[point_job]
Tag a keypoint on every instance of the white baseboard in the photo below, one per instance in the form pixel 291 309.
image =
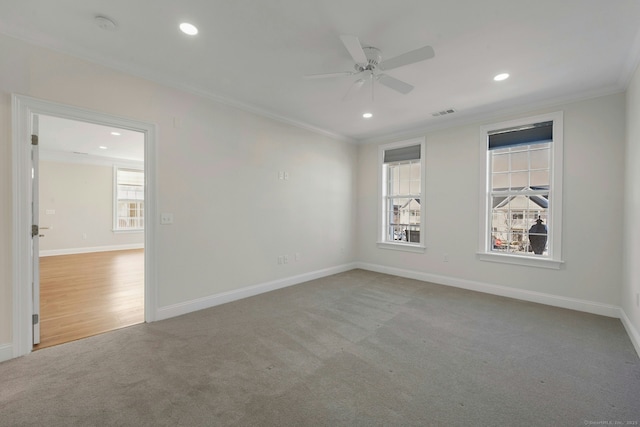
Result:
pixel 521 294
pixel 633 333
pixel 249 291
pixel 74 251
pixel 6 352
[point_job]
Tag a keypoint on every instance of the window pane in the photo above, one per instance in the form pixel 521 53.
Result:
pixel 540 159
pixel 415 178
pixel 514 222
pixel 394 184
pixel 520 161
pixel 519 180
pixel 540 178
pixel 415 171
pixel 405 172
pixel 415 187
pixel 500 181
pixel 500 162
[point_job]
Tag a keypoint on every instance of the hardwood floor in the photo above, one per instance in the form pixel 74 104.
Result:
pixel 88 294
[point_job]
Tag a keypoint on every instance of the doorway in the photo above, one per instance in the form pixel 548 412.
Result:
pixel 90 209
pixel 25 291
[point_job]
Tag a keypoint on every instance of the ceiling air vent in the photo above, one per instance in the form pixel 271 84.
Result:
pixel 443 112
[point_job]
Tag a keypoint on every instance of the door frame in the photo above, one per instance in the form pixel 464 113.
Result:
pixel 23 109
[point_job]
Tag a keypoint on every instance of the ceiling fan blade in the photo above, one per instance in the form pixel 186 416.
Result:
pixel 327 75
pixel 395 84
pixel 355 48
pixel 354 88
pixel 408 58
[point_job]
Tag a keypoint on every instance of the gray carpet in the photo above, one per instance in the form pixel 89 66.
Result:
pixel 354 349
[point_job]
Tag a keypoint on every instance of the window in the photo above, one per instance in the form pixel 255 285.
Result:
pixel 129 199
pixel 521 191
pixel 402 195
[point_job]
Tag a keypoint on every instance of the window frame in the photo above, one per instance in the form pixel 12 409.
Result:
pixel 116 228
pixel 554 258
pixel 382 188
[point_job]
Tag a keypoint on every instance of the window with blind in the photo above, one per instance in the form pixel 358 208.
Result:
pixel 522 190
pixel 129 199
pixel 402 187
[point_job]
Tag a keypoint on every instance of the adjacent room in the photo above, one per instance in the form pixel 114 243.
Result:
pixel 319 213
pixel 91 229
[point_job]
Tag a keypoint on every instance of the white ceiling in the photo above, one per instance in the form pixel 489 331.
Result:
pixel 253 53
pixel 75 140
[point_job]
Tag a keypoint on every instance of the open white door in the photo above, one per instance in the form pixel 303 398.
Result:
pixel 35 229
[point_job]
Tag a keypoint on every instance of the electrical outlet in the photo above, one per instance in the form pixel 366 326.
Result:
pixel 166 218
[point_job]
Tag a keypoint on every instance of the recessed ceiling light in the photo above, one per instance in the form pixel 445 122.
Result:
pixel 189 29
pixel 102 147
pixel 501 77
pixel 116 133
pixel 367 115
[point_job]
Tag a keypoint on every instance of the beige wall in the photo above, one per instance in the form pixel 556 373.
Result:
pixel 631 241
pixel 82 197
pixel 217 173
pixel 593 199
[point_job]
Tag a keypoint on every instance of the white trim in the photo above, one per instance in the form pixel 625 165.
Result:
pixel 633 333
pixel 87 250
pixel 23 108
pixel 6 352
pixel 505 291
pixel 554 260
pixel 249 291
pixel 406 247
pixel 530 261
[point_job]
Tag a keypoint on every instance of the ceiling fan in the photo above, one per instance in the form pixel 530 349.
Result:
pixel 369 63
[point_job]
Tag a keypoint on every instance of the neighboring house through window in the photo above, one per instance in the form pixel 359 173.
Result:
pixel 521 191
pixel 129 199
pixel 402 195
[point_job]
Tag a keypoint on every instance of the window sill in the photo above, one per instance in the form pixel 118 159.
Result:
pixel 406 247
pixel 137 230
pixel 521 260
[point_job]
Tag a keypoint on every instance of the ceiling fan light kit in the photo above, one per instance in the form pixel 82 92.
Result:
pixel 369 59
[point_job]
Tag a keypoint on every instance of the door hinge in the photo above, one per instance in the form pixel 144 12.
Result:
pixel 34 139
pixel 34 230
pixel 36 319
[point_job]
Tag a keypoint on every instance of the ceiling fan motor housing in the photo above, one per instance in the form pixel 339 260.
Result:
pixel 374 57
